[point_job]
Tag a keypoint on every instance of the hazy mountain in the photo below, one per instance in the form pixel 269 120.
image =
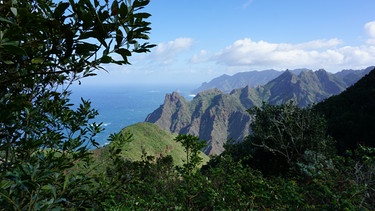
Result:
pixel 216 116
pixel 306 88
pixel 352 76
pixel 227 83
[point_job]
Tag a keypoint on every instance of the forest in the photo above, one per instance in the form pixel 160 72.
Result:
pixel 319 157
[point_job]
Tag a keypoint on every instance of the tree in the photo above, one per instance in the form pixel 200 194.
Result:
pixel 283 135
pixel 192 146
pixel 44 48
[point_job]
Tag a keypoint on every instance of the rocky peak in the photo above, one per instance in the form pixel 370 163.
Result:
pixel 216 116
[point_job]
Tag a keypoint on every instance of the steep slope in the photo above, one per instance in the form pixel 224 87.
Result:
pixel 216 116
pixel 351 114
pixel 227 83
pixel 154 141
pixel 305 89
pixel 175 107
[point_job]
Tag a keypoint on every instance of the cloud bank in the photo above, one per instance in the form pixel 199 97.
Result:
pixel 181 61
pixel 330 54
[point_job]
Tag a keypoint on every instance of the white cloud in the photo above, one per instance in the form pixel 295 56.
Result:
pixel 200 57
pixel 313 54
pixel 370 29
pixel 318 44
pixel 167 51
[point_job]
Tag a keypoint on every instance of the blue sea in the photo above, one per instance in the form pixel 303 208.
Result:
pixel 123 105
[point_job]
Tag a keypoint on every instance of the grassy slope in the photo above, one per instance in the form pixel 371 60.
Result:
pixel 155 141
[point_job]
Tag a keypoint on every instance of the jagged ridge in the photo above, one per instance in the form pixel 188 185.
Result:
pixel 216 116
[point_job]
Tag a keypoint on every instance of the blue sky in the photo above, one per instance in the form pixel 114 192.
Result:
pixel 199 40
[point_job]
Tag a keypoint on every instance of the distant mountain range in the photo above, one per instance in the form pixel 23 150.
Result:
pixel 227 83
pixel 216 116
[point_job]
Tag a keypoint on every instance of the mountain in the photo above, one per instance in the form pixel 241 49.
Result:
pixel 350 77
pixel 227 83
pixel 212 115
pixel 351 114
pixel 216 116
pixel 305 89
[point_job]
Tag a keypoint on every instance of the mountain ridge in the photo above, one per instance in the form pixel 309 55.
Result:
pixel 216 116
pixel 227 83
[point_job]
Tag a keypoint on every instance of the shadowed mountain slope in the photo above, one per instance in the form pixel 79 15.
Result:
pixel 351 114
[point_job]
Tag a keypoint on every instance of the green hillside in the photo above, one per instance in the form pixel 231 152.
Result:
pixel 351 114
pixel 154 141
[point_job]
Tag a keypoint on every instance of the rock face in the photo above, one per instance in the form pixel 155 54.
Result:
pixel 216 116
pixel 212 115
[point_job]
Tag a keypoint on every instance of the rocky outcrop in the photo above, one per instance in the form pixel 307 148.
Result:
pixel 216 116
pixel 212 115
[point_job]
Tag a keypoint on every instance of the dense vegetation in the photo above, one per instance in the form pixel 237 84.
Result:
pixel 289 162
pixel 351 115
pixel 44 139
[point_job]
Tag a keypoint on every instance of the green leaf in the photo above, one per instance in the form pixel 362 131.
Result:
pixel 5 20
pixel 38 60
pixel 66 181
pixel 119 37
pixel 15 50
pixel 140 3
pixel 8 62
pixel 124 53
pixel 86 35
pixel 142 15
pixel 14 11
pixel 60 9
pixel 51 188
pixel 114 8
pixel 123 10
pixel 85 48
pixel 106 59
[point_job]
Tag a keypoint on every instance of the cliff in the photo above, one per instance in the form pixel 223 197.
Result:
pixel 216 116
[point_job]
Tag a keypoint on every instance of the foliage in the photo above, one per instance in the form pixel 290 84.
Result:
pixel 192 146
pixel 286 164
pixel 283 134
pixel 44 139
pixel 156 142
pixel 317 180
pixel 351 115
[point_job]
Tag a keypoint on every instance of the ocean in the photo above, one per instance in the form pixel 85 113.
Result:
pixel 123 105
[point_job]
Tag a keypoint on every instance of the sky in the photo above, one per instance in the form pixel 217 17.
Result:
pixel 198 40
